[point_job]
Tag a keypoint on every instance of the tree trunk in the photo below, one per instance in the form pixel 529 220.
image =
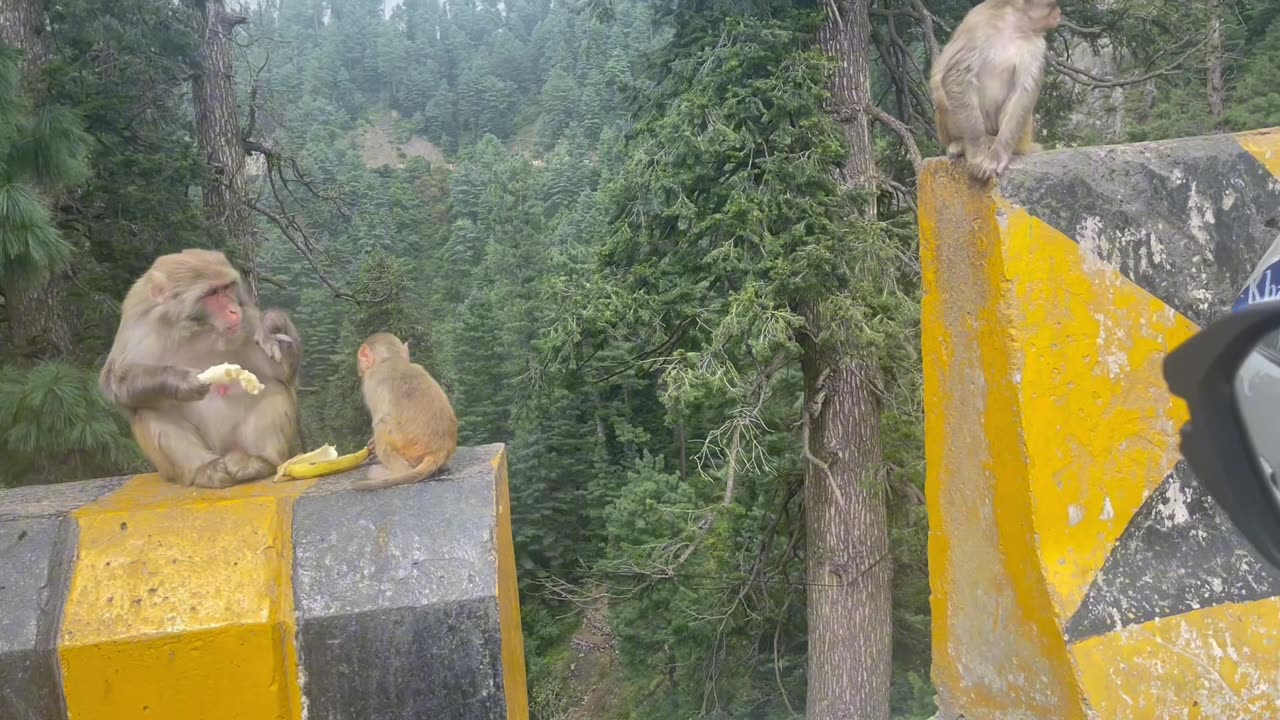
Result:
pixel 847 539
pixel 847 542
pixel 217 117
pixel 847 38
pixel 35 310
pixel 1217 85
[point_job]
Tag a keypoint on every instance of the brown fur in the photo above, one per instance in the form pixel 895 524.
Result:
pixel 191 435
pixel 986 83
pixel 415 432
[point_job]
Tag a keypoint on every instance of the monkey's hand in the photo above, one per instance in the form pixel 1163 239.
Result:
pixel 190 388
pixel 142 386
pixel 272 343
pixel 994 162
pixel 278 338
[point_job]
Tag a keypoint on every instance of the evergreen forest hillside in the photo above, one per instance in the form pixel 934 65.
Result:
pixel 639 241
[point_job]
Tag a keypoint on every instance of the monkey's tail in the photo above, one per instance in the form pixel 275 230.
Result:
pixel 431 463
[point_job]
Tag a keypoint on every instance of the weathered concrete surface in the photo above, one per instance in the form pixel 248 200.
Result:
pixel 37 545
pixel 134 598
pixel 397 597
pixel 1198 564
pixel 180 604
pixel 1185 220
pixel 1078 570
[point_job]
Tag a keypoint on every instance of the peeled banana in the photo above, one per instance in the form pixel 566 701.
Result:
pixel 322 461
pixel 229 373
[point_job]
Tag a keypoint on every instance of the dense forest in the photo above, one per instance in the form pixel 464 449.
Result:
pixel 664 250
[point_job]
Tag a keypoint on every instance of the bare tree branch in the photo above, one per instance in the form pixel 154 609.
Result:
pixel 902 191
pixel 1084 77
pixel 902 131
pixel 230 22
pixel 898 127
pixel 926 21
pixel 255 85
pixel 918 12
pixel 289 228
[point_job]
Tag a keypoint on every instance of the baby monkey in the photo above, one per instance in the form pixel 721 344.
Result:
pixel 415 432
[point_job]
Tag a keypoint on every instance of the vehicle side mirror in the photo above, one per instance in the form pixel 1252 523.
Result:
pixel 1229 375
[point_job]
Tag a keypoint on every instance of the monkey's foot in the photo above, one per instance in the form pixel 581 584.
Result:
pixel 989 166
pixel 955 150
pixel 232 469
pixel 213 474
pixel 247 467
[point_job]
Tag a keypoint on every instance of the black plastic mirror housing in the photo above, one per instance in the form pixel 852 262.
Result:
pixel 1215 442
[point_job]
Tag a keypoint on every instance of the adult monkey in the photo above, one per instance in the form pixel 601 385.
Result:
pixel 186 313
pixel 986 82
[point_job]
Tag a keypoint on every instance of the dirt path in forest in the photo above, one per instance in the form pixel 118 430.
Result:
pixel 592 673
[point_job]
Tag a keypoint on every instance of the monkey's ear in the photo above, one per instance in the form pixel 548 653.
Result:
pixel 406 349
pixel 364 358
pixel 159 286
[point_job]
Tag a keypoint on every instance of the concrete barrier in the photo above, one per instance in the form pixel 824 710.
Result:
pixel 132 598
pixel 1077 568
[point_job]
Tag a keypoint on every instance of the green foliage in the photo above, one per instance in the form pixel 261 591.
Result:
pixel 1257 97
pixel 336 413
pixel 137 201
pixel 725 218
pixel 42 148
pixel 558 102
pixel 55 424
pixel 606 272
pixel 546 647
pixel 913 698
pixel 1179 113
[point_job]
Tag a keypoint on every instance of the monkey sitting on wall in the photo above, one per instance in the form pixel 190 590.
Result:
pixel 415 432
pixel 188 312
pixel 986 82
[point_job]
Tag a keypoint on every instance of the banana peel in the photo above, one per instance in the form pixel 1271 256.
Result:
pixel 319 462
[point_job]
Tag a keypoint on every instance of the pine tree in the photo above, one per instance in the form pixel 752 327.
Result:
pixel 558 103
pixel 1257 99
pixel 41 145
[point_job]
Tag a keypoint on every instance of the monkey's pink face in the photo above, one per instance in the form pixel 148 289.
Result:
pixel 222 308
pixel 1045 14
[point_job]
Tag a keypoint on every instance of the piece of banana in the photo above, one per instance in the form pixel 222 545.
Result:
pixel 322 461
pixel 229 374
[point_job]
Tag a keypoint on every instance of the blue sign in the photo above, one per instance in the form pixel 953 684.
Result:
pixel 1265 289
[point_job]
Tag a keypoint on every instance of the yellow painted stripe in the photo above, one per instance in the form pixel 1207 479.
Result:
pixel 1048 423
pixel 1098 420
pixel 1219 662
pixel 514 683
pixel 181 605
pixel 1263 145
pixel 997 648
